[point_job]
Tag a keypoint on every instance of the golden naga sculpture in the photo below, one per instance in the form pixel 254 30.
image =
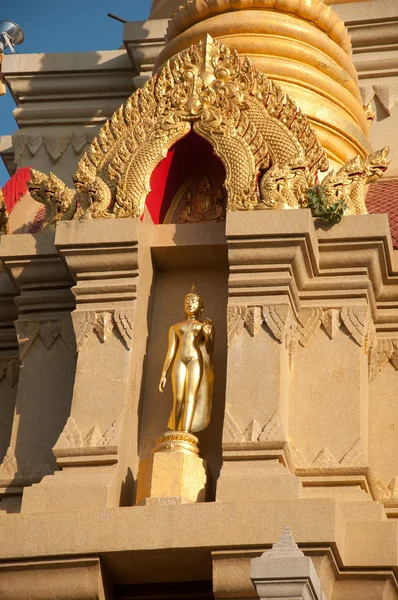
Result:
pixel 284 186
pixel 247 119
pixel 348 184
pixel 93 195
pixel 3 215
pixel 54 194
pixel 190 350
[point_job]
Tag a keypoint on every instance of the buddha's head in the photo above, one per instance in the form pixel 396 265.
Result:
pixel 193 303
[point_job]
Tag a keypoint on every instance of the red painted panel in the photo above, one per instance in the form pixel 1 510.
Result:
pixel 181 160
pixel 16 187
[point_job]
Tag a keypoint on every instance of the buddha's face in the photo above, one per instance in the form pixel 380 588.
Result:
pixel 191 305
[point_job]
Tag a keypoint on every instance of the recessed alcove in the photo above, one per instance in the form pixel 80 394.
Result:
pixel 187 185
pixel 181 254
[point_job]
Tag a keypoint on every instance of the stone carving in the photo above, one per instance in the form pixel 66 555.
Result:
pixel 34 143
pixel 9 370
pixel 71 438
pixel 348 184
pixel 235 321
pixel 9 467
pixel 379 490
pixel 310 320
pixel 387 93
pixel 367 94
pixel 85 322
pixel 331 321
pixel 299 459
pixel 272 431
pixel 231 432
pixel 3 215
pixel 278 319
pixel 104 325
pixel 27 332
pixel 355 319
pixel 124 323
pixel 55 147
pixel 57 198
pixel 393 489
pixel 252 432
pixel 382 351
pixel 324 460
pixel 354 456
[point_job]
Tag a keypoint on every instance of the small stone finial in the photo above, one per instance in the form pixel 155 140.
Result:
pixel 285 568
pixel 285 547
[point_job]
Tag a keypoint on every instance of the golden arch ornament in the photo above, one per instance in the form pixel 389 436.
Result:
pixel 246 117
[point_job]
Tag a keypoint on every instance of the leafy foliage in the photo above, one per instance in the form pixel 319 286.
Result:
pixel 320 208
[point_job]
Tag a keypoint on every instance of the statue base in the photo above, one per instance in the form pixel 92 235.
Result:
pixel 174 472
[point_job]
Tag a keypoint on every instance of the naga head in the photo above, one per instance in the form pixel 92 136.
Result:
pixel 377 164
pixel 370 168
pixel 83 177
pixel 55 191
pixel 36 185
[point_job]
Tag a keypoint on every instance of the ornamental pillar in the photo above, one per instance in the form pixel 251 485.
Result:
pixel 102 256
pixel 267 269
pixel 46 354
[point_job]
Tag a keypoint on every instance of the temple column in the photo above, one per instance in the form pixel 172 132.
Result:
pixel 102 256
pixel 268 267
pixel 46 354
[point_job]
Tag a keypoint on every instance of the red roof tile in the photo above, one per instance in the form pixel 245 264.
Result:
pixel 383 198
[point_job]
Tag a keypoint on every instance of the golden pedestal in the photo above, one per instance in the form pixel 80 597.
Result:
pixel 174 473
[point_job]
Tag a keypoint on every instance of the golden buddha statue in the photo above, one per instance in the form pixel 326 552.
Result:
pixel 190 350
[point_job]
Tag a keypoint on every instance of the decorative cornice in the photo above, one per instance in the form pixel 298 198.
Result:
pixel 103 324
pixel 54 146
pixel 67 89
pixel 386 93
pixel 97 447
pixel 48 331
pixel 271 432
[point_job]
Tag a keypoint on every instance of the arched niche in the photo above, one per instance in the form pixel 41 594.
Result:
pixel 187 186
pixel 208 88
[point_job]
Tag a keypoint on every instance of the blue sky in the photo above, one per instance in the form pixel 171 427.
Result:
pixel 64 26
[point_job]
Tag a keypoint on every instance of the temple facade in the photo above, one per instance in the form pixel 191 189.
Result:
pixel 236 162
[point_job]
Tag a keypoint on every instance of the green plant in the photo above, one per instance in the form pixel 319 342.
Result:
pixel 321 208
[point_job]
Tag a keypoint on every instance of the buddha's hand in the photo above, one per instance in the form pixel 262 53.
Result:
pixel 207 326
pixel 162 383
